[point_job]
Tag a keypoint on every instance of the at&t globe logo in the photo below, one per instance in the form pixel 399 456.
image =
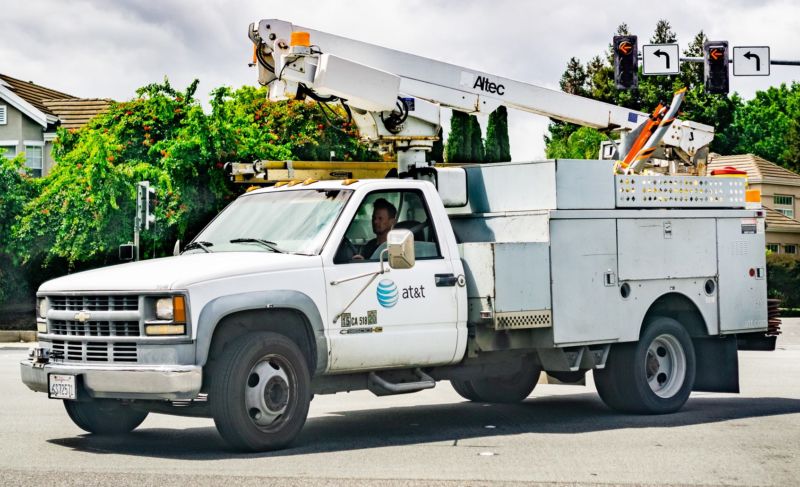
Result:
pixel 387 293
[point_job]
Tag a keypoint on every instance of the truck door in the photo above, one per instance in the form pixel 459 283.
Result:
pixel 403 317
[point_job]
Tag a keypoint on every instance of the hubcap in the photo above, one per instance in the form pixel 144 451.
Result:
pixel 665 366
pixel 267 392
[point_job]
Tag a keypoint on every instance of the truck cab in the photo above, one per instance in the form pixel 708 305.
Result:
pixel 287 259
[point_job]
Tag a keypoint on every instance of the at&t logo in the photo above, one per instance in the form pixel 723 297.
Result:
pixel 387 293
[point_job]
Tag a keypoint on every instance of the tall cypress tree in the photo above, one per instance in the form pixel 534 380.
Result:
pixel 475 139
pixel 497 148
pixel 457 148
pixel 437 151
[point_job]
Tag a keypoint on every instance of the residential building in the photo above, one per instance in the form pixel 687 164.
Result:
pixel 780 190
pixel 30 115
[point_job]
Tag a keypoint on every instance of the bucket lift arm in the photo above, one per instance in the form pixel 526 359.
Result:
pixel 395 97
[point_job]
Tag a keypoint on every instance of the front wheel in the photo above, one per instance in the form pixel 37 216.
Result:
pixel 104 416
pixel 652 376
pixel 510 388
pixel 260 392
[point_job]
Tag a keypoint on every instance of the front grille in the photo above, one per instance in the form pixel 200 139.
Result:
pixel 94 303
pixel 95 328
pixel 108 352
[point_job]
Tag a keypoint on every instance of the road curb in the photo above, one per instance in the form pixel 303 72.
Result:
pixel 11 336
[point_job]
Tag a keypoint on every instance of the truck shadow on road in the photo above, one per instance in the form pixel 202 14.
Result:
pixel 444 423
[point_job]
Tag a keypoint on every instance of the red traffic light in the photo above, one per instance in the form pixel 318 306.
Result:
pixel 625 48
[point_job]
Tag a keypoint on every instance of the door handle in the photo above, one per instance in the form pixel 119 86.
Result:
pixel 445 280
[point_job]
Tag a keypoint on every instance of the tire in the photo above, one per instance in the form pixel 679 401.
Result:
pixel 104 416
pixel 464 389
pixel 260 392
pixel 514 387
pixel 652 376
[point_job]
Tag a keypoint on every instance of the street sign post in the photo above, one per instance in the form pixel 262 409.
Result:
pixel 661 59
pixel 751 60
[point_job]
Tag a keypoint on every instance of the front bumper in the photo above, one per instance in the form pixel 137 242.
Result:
pixel 167 382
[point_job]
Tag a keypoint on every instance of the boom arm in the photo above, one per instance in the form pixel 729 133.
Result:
pixel 370 78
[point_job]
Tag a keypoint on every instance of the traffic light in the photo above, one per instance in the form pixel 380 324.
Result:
pixel 626 62
pixel 145 205
pixel 715 72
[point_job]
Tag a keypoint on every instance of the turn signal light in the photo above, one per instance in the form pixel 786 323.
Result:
pixel 302 39
pixel 752 196
pixel 179 309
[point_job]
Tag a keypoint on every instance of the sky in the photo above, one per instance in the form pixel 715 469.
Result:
pixel 107 49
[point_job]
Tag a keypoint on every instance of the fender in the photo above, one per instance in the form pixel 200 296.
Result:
pixel 215 310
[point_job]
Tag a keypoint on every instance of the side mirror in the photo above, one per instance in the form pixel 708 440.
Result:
pixel 176 250
pixel 400 244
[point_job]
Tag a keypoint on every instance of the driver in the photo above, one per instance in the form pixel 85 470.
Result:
pixel 384 217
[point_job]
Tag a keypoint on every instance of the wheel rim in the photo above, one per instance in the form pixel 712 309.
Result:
pixel 665 366
pixel 268 391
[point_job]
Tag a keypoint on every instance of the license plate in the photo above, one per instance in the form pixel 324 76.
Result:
pixel 61 387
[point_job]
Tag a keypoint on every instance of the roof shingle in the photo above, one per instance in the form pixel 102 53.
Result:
pixel 33 93
pixel 758 170
pixel 76 112
pixel 778 222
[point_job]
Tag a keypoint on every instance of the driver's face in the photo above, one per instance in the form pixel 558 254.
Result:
pixel 381 221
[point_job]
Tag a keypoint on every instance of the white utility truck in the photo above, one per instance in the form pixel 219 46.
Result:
pixel 484 275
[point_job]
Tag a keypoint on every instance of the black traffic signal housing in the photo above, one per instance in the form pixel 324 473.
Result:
pixel 715 62
pixel 626 62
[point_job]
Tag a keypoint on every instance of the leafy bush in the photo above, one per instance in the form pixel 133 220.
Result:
pixel 783 279
pixel 16 187
pixel 77 216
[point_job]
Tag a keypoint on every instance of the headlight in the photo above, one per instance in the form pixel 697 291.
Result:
pixel 41 308
pixel 169 309
pixel 165 310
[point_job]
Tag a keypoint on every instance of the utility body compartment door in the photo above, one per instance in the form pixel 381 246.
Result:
pixel 664 248
pixel 583 266
pixel 742 275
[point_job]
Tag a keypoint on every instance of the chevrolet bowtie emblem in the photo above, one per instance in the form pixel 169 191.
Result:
pixel 82 316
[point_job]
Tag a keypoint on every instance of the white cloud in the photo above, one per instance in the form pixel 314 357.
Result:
pixel 108 49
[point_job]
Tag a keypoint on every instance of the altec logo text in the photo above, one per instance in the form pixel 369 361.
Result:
pixel 484 84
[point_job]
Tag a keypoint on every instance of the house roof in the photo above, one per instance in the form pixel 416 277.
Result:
pixel 33 93
pixel 76 112
pixel 48 106
pixel 778 222
pixel 758 170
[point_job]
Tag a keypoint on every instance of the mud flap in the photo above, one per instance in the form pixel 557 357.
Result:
pixel 717 364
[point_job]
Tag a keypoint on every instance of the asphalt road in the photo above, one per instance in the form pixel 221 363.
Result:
pixel 561 434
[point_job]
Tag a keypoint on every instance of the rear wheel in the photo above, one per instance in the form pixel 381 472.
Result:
pixel 104 416
pixel 654 375
pixel 260 392
pixel 514 387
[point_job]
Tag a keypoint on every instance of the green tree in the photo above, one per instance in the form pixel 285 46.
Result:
pixel 475 140
pixel 16 188
pixel 86 205
pixel 596 80
pixel 769 126
pixel 497 147
pixel 437 151
pixel 457 149
pixel 583 143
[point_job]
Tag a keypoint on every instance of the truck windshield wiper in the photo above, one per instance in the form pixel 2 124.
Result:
pixel 266 243
pixel 199 245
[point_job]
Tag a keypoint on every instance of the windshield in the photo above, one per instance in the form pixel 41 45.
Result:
pixel 296 221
